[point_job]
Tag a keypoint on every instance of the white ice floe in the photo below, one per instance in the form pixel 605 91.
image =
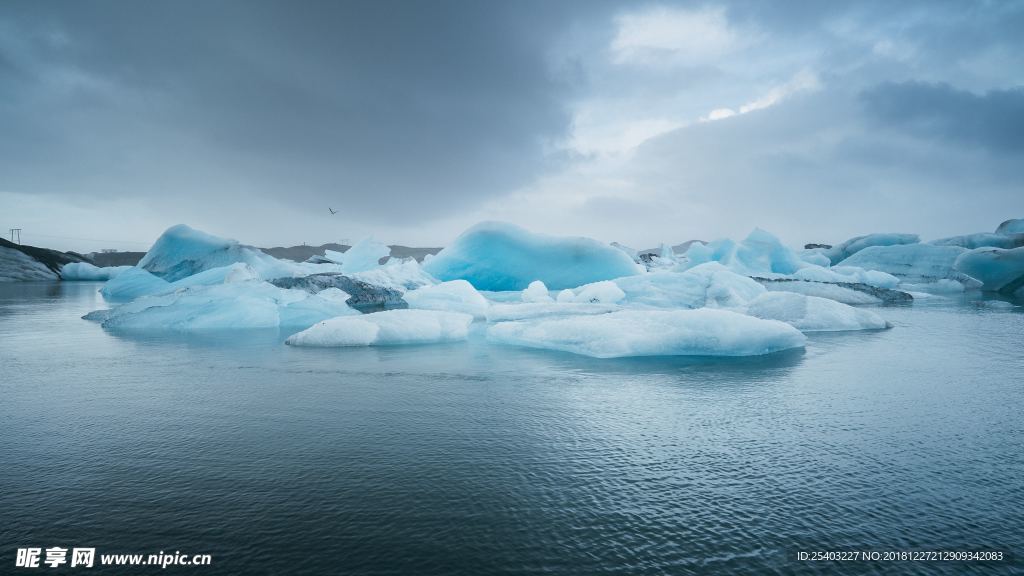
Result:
pixel 84 271
pixel 537 292
pixel 452 296
pixel 999 270
pixel 710 284
pixel 392 327
pixel 813 314
pixel 702 332
pixel 499 256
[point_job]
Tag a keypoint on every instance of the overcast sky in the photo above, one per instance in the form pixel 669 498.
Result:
pixel 636 122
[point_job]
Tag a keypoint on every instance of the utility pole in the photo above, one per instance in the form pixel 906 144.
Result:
pixel 18 232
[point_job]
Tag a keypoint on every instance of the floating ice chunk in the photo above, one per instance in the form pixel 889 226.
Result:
pixel 999 270
pixel 453 296
pixel 849 294
pixel 843 251
pixel 604 292
pixel 85 271
pixel 813 314
pixel 943 286
pixel 1015 226
pixel 499 256
pixel 228 306
pixel 914 263
pixel 846 274
pixel 392 327
pixel 182 251
pixel 566 295
pixel 362 256
pixel 710 284
pixel 16 266
pixel 759 253
pixel 530 310
pixel 815 256
pixel 982 240
pixel 397 274
pixel 133 283
pixel 702 332
pixel 537 292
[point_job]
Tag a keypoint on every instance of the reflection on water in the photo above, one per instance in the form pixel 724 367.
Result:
pixel 477 459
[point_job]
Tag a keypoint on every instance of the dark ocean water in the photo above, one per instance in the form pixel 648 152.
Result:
pixel 474 459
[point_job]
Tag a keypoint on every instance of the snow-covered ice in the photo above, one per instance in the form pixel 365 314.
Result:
pixel 392 327
pixel 702 332
pixel 500 256
pixel 813 314
pixel 453 296
pixel 84 271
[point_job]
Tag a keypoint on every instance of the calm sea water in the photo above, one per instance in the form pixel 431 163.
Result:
pixel 473 459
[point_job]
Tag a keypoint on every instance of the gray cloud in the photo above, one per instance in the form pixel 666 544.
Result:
pixel 994 119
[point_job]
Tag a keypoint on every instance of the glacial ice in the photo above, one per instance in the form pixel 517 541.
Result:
pixel 182 251
pixel 913 263
pixel 392 327
pixel 531 310
pixel 452 296
pixel 133 283
pixel 703 332
pixel 759 253
pixel 399 274
pixel 707 285
pixel 84 271
pixel 1013 226
pixel 603 292
pixel 537 292
pixel 813 314
pixel 362 256
pixel 982 240
pixel 999 270
pixel 500 256
pixel 841 252
pixel 227 306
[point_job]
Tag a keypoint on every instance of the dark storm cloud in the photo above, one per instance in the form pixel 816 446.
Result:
pixel 994 119
pixel 389 109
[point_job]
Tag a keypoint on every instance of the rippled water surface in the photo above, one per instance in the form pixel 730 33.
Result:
pixel 474 459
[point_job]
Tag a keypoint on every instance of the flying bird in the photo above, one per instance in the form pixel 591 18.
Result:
pixel 333 211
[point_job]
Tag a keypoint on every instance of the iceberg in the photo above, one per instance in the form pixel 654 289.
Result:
pixel 706 285
pixel 84 271
pixel 845 292
pixel 530 310
pixel 813 314
pixel 182 251
pixel 1013 226
pixel 499 256
pixel 452 296
pixel 229 306
pixel 392 327
pixel 603 292
pixel 854 245
pixel 982 240
pixel 133 283
pixel 759 253
pixel 537 292
pixel 362 256
pixel 998 270
pixel 913 263
pixel 703 332
pixel 399 274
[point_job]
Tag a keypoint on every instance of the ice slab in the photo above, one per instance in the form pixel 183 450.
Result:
pixel 813 314
pixel 759 253
pixel 841 252
pixel 999 270
pixel 537 292
pixel 392 327
pixel 228 306
pixel 982 240
pixel 530 310
pixel 133 283
pixel 182 251
pixel 703 332
pixel 914 263
pixel 499 256
pixel 452 296
pixel 710 284
pixel 84 271
pixel 362 256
